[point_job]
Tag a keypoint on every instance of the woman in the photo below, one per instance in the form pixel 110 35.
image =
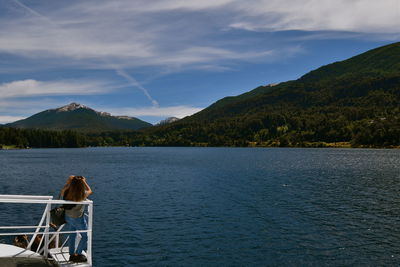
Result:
pixel 76 189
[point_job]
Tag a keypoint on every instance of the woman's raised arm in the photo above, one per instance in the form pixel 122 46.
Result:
pixel 87 187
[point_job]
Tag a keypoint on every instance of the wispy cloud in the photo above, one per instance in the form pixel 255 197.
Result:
pixel 144 6
pixel 172 111
pixel 34 88
pixel 20 108
pixel 364 16
pixel 172 33
pixel 8 119
pixel 129 34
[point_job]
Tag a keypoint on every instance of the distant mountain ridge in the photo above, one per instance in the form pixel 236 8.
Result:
pixel 79 117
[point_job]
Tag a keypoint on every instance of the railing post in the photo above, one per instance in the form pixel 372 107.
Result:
pixel 41 220
pixel 90 228
pixel 57 239
pixel 46 236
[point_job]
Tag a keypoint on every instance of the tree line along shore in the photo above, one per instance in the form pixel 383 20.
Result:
pixel 13 138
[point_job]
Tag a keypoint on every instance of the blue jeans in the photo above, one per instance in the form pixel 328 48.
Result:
pixel 77 224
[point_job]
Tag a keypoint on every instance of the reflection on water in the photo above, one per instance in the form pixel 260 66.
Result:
pixel 223 206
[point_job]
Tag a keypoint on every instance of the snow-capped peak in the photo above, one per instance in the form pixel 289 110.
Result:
pixel 71 107
pixel 74 106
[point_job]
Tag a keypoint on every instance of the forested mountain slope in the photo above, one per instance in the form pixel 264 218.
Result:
pixel 356 101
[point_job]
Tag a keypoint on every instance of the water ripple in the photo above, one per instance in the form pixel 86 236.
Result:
pixel 223 206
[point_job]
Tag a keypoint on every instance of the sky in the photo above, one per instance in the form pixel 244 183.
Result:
pixel 162 58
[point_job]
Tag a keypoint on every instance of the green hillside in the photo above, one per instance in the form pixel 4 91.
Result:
pixel 80 118
pixel 382 60
pixel 355 101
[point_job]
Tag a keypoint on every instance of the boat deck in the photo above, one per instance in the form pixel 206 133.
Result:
pixel 10 251
pixel 15 256
pixel 61 256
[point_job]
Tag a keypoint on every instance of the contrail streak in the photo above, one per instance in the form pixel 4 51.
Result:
pixel 118 70
pixel 136 84
pixel 33 12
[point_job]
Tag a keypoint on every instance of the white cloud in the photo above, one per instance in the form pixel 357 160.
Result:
pixel 366 16
pixel 8 119
pixel 126 33
pixel 34 88
pixel 97 34
pixel 172 111
pixel 28 106
pixel 140 6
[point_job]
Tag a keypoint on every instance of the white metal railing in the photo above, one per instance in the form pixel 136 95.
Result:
pixel 45 222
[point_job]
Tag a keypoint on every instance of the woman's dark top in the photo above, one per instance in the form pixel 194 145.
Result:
pixel 73 210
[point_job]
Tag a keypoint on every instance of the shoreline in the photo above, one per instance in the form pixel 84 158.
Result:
pixel 307 145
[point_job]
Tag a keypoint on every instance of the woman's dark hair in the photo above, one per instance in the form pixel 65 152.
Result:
pixel 76 190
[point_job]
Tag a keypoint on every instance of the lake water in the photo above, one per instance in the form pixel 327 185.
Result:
pixel 223 206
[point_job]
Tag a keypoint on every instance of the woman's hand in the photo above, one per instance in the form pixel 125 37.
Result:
pixel 87 187
pixel 70 178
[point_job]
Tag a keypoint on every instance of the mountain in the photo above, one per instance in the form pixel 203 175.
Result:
pixel 356 101
pixel 79 117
